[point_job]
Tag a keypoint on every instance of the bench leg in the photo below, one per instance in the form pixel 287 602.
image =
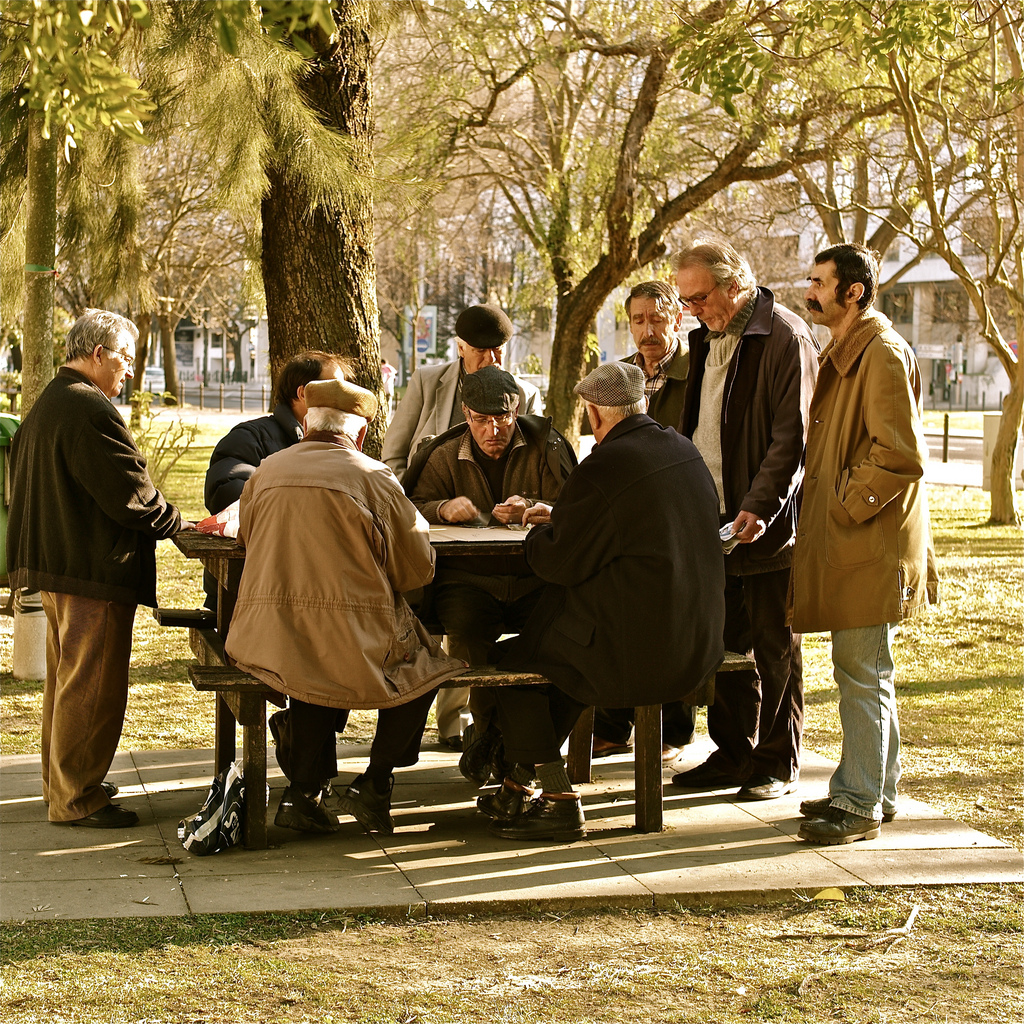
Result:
pixel 224 735
pixel 581 747
pixel 254 767
pixel 647 768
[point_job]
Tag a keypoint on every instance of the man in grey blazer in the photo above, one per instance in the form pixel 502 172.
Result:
pixel 433 404
pixel 433 401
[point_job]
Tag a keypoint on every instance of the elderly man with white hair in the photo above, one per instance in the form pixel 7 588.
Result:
pixel 332 542
pixel 635 527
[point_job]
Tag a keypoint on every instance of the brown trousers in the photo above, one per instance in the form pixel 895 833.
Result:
pixel 88 648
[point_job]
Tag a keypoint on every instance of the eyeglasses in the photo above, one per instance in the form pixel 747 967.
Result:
pixel 694 300
pixel 493 421
pixel 128 360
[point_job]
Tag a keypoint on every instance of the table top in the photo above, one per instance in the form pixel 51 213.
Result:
pixel 445 540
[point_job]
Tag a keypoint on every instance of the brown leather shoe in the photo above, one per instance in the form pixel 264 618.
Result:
pixel 605 748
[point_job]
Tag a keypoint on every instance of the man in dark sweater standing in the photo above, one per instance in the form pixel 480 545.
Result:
pixel 84 521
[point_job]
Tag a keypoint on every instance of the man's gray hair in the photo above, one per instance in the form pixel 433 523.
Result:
pixel 335 421
pixel 664 295
pixel 621 412
pixel 96 327
pixel 720 260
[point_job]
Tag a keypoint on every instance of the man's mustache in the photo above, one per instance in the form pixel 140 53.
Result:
pixel 812 304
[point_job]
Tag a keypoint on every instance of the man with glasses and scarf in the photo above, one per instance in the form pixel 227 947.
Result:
pixel 84 522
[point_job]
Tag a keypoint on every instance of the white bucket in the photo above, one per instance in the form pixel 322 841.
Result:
pixel 29 636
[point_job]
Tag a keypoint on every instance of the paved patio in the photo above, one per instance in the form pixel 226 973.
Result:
pixel 443 861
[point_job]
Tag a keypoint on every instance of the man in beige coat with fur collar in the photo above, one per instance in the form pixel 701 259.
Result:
pixel 332 542
pixel 863 558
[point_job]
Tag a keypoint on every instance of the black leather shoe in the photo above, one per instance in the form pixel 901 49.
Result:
pixel 839 829
pixel 822 808
pixel 372 809
pixel 109 788
pixel 706 776
pixel 507 802
pixel 550 816
pixel 766 787
pixel 111 816
pixel 450 742
pixel 304 814
pixel 477 754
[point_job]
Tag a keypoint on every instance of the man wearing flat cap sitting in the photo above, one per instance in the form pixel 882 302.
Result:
pixel 431 406
pixel 489 469
pixel 635 527
pixel 331 543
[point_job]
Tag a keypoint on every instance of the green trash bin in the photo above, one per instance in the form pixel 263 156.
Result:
pixel 8 425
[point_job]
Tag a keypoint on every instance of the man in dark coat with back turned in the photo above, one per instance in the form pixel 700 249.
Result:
pixel 636 526
pixel 84 523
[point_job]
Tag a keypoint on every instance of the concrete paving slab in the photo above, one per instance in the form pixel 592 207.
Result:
pixel 443 859
pixel 878 866
pixel 78 899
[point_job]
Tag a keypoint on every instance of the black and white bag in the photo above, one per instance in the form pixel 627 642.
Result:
pixel 219 824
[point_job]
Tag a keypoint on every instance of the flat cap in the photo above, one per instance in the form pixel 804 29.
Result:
pixel 612 384
pixel 491 391
pixel 343 395
pixel 483 327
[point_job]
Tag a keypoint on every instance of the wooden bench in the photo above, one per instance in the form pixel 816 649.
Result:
pixel 243 699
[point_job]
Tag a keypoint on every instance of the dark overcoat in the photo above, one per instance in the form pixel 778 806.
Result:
pixel 636 609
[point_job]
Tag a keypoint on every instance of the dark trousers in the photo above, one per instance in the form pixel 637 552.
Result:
pixel 757 718
pixel 473 620
pixel 305 735
pixel 677 723
pixel 535 721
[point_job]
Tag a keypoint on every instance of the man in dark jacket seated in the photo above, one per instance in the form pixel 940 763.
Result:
pixel 247 444
pixel 636 526
pixel 492 467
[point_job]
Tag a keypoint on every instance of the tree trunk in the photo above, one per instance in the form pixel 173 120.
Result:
pixel 144 322
pixel 1004 455
pixel 167 330
pixel 319 274
pixel 40 252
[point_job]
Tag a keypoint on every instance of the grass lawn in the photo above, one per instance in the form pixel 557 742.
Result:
pixel 959 690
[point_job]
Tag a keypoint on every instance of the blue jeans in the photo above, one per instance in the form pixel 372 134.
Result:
pixel 869 769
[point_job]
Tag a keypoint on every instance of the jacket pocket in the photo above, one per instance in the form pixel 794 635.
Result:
pixel 849 544
pixel 578 630
pixel 124 549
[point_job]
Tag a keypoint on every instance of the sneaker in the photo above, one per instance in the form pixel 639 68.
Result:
pixel 507 802
pixel 766 787
pixel 556 816
pixel 822 808
pixel 303 813
pixel 839 829
pixel 371 808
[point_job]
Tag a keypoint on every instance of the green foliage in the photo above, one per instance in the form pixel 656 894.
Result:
pixel 164 443
pixel 71 70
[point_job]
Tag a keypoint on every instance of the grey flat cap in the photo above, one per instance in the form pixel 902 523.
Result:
pixel 484 327
pixel 612 384
pixel 491 391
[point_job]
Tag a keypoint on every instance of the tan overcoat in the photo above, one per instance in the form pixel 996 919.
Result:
pixel 331 542
pixel 863 551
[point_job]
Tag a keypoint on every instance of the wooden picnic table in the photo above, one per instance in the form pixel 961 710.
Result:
pixel 243 700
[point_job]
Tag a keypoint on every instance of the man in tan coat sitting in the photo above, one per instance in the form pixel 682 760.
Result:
pixel 331 544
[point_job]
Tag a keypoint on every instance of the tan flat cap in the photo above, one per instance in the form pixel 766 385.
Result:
pixel 343 395
pixel 612 384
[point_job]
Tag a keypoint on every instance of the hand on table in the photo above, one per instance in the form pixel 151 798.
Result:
pixel 457 510
pixel 748 527
pixel 538 514
pixel 511 509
